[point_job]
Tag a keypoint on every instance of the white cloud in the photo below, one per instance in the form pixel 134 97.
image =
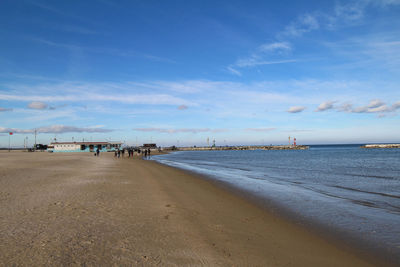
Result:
pixel 374 106
pixel 376 103
pixel 5 109
pixel 345 107
pixel 325 106
pixel 296 109
pixel 37 105
pixel 396 105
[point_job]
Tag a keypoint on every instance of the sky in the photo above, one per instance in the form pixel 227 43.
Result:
pixel 182 72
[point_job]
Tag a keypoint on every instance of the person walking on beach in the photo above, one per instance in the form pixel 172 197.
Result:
pixel 145 153
pixel 97 152
pixel 148 152
pixel 115 153
pixel 119 153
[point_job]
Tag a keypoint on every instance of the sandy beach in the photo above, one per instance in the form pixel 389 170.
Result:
pixel 77 209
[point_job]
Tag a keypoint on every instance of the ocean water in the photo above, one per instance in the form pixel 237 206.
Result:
pixel 353 191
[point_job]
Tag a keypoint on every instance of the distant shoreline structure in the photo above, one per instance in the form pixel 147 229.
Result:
pixel 381 146
pixel 287 147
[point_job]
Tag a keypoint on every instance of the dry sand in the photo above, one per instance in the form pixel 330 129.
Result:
pixel 77 209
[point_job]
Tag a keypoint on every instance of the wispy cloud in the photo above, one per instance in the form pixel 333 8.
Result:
pixel 60 12
pixel 296 109
pixel 57 129
pixel 260 129
pixel 182 107
pixel 263 55
pixel 346 14
pixel 5 109
pixel 232 70
pixel 146 99
pixel 180 130
pixel 76 29
pixel 215 99
pixel 303 24
pixel 251 62
pixel 37 105
pixel 99 50
pixel 378 51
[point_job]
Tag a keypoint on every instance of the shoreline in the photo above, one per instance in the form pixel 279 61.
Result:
pixel 339 237
pixel 60 209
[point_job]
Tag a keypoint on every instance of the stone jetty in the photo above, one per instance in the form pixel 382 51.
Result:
pixel 381 146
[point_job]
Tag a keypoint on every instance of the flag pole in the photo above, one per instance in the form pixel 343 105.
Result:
pixel 9 142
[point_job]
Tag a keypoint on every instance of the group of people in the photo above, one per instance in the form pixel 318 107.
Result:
pixel 144 152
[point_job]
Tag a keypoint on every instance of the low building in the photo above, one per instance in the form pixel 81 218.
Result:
pixel 151 146
pixel 83 146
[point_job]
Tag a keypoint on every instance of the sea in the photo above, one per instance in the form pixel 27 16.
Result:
pixel 350 191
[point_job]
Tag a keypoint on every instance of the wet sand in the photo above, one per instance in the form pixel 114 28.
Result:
pixel 77 209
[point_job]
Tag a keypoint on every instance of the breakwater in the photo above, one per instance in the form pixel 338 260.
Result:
pixel 298 147
pixel 381 146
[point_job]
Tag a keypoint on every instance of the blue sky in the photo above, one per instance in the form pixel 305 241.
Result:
pixel 239 72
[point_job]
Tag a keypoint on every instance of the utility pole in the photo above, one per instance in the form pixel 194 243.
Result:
pixel 9 141
pixel 34 148
pixel 35 140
